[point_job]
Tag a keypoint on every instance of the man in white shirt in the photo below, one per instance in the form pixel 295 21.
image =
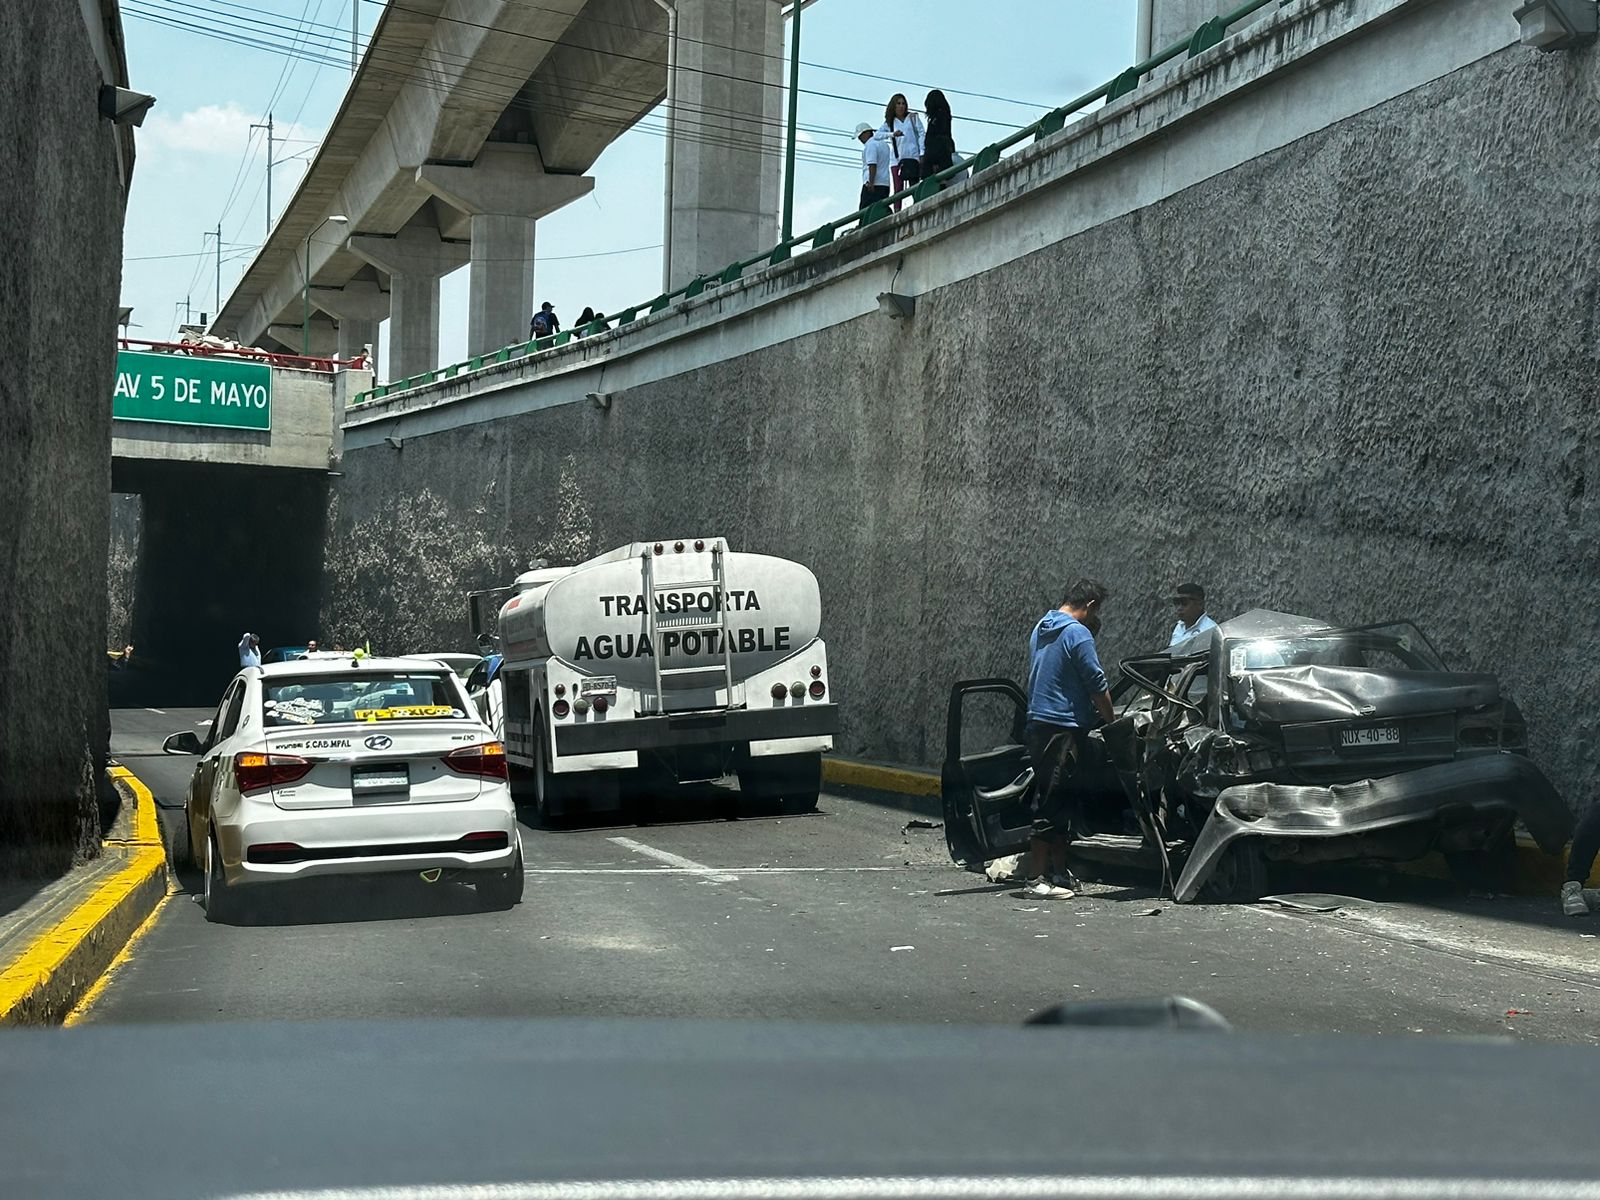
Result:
pixel 1190 601
pixel 877 157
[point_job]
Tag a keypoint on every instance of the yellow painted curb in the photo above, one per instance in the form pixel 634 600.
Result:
pixel 879 778
pixel 53 974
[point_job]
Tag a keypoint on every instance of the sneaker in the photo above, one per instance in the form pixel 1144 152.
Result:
pixel 1043 889
pixel 1572 901
pixel 1067 881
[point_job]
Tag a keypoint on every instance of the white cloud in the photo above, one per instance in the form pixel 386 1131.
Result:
pixel 219 129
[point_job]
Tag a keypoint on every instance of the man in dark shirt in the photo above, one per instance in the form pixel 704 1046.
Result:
pixel 1067 696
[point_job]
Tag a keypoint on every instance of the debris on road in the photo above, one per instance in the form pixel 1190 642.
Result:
pixel 892 949
pixel 1005 870
pixel 1308 901
pixel 1148 912
pixel 919 823
pixel 1519 1012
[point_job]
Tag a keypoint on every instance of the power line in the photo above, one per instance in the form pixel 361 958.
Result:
pixel 719 136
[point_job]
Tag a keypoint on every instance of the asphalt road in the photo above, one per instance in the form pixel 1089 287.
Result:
pixel 837 916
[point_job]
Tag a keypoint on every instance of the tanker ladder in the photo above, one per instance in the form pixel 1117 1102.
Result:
pixel 689 622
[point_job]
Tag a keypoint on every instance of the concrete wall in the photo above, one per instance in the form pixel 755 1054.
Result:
pixel 122 560
pixel 1352 376
pixel 62 198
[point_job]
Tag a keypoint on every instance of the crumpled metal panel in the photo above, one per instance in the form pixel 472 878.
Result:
pixel 1284 695
pixel 1484 784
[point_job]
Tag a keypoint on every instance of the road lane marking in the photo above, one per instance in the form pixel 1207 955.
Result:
pixel 80 1010
pixel 675 860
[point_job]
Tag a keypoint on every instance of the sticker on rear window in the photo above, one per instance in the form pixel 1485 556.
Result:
pixel 408 712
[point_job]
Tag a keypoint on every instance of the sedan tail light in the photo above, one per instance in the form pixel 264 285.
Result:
pixel 254 772
pixel 487 760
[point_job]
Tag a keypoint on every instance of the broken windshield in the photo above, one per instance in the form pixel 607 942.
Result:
pixel 1399 646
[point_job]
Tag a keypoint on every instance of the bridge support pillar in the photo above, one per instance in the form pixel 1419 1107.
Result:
pixel 727 159
pixel 319 345
pixel 358 307
pixel 415 259
pixel 503 193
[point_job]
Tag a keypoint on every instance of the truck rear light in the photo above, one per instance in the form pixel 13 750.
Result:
pixel 658 547
pixel 561 708
pixel 677 547
pixel 797 689
pixel 561 689
pixel 817 689
pixel 699 546
pixel 601 704
pixel 779 691
pixel 487 760
pixel 816 672
pixel 580 706
pixel 253 772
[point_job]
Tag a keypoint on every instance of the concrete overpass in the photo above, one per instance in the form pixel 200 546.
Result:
pixel 232 458
pixel 467 121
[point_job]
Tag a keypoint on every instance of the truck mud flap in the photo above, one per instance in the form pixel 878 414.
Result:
pixel 1488 785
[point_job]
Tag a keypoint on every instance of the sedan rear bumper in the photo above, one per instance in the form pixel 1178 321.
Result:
pixel 1485 787
pixel 368 841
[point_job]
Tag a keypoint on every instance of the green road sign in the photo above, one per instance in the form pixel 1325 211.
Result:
pixel 176 389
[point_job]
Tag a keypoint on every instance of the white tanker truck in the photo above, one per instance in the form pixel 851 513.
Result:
pixel 679 660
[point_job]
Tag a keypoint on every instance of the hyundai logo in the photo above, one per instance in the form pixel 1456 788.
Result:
pixel 379 742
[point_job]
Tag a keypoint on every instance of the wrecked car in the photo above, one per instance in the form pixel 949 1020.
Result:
pixel 1271 738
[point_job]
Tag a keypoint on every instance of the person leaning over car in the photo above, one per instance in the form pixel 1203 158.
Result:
pixel 1190 601
pixel 1067 696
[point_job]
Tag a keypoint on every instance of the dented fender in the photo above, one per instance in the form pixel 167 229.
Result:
pixel 1488 785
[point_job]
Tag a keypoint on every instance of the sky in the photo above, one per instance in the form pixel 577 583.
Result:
pixel 1002 64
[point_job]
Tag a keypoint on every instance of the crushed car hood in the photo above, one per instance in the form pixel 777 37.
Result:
pixel 1286 695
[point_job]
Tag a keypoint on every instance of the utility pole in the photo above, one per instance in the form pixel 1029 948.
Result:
pixel 794 119
pixel 355 12
pixel 219 267
pixel 268 128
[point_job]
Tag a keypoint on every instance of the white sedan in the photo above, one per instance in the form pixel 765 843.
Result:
pixel 348 767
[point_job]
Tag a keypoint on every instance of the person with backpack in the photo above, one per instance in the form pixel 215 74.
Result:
pixel 545 322
pixel 905 132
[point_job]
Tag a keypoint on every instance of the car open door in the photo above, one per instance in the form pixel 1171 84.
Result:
pixel 986 788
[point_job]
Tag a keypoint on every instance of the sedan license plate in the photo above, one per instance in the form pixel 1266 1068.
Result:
pixel 605 684
pixel 1370 737
pixel 364 780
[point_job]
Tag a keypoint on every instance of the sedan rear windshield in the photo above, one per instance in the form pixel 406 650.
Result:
pixel 363 696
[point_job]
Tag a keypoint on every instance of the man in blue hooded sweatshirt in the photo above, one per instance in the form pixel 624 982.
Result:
pixel 1067 696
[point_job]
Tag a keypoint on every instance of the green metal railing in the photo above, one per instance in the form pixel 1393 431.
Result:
pixel 1208 35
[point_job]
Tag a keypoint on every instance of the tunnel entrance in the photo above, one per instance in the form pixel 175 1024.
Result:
pixel 219 550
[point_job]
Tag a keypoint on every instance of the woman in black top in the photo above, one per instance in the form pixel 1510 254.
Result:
pixel 939 145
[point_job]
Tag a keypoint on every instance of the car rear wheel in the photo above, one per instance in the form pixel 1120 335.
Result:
pixel 501 890
pixel 1240 876
pixel 221 901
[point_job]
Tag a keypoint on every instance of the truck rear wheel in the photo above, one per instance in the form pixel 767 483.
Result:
pixel 550 791
pixel 794 781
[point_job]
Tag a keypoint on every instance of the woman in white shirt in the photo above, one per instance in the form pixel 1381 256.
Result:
pixel 904 131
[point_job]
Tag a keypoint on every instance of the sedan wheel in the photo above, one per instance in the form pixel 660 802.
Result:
pixel 221 901
pixel 501 890
pixel 1240 876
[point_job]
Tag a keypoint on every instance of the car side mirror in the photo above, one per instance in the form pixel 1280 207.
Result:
pixel 184 742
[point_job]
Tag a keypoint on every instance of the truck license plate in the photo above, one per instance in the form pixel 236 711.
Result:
pixel 597 683
pixel 1372 735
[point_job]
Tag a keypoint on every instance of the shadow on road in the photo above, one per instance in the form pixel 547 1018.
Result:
pixel 692 804
pixel 351 901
